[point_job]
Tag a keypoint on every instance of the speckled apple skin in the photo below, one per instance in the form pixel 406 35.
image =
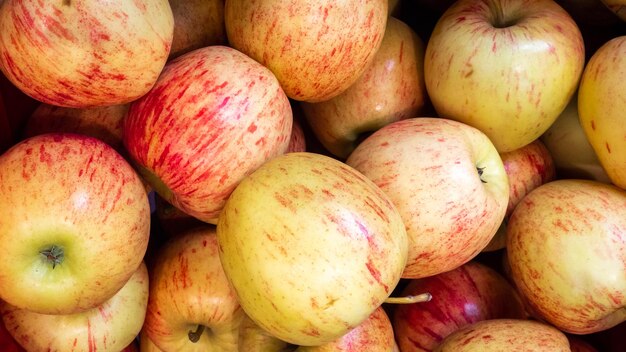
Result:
pixel 463 296
pixel 213 117
pixel 84 53
pixel 566 250
pixel 602 106
pixel 111 326
pixel 197 23
pixel 428 168
pixel 311 247
pixel 316 48
pixel 188 287
pixel 499 335
pixel 391 89
pixel 512 82
pixel 76 192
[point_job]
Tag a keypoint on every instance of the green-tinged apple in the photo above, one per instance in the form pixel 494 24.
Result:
pixel 462 296
pixel 297 142
pixel 375 334
pixel 448 182
pixel 311 247
pixel 497 335
pixel 197 23
pixel 566 253
pixel 111 326
pixel 602 107
pixel 618 7
pixel 191 305
pixel 84 53
pixel 316 49
pixel 74 223
pixel 569 147
pixel 104 123
pixel 506 67
pixel 527 168
pixel 391 89
pixel 212 118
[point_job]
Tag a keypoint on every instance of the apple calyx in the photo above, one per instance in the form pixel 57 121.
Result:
pixel 423 297
pixel 481 170
pixel 194 336
pixel 53 255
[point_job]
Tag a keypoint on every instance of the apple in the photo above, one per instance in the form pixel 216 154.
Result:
pixel 566 254
pixel 297 142
pixel 197 23
pixel 505 335
pixel 618 7
pixel 111 326
pixel 462 296
pixel 74 223
pixel 569 147
pixel 508 68
pixel 375 334
pixel 84 53
pixel 213 117
pixel 577 344
pixel 7 342
pixel 104 123
pixel 316 49
pixel 601 106
pixel 311 247
pixel 448 182
pixel 391 89
pixel 191 305
pixel 527 168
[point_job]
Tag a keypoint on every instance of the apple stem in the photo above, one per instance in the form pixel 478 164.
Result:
pixel 194 336
pixel 53 255
pixel 424 297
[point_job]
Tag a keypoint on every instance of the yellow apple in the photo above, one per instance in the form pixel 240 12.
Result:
pixel 602 107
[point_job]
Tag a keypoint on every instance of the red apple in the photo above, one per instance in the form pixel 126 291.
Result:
pixel 463 296
pixel 74 223
pixel 316 49
pixel 84 53
pixel 191 305
pixel 213 117
pixel 197 23
pixel 446 179
pixel 391 89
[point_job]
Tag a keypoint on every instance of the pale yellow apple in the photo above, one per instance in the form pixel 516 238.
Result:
pixel 191 305
pixel 500 335
pixel 508 68
pixel 566 251
pixel 311 247
pixel 569 147
pixel 111 326
pixel 391 89
pixel 602 107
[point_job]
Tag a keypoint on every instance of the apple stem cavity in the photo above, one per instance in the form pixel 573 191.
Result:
pixel 499 19
pixel 424 297
pixel 53 255
pixel 480 173
pixel 194 336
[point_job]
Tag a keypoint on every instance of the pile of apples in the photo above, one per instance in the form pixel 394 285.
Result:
pixel 359 175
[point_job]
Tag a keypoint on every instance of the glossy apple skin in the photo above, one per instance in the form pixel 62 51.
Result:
pixel 462 296
pixel 375 334
pixel 391 89
pixel 316 49
pixel 527 71
pixel 188 287
pixel 506 335
pixel 77 193
pixel 570 149
pixel 112 326
pixel 527 168
pixel 84 53
pixel 601 106
pixel 197 23
pixel 104 123
pixel 304 213
pixel 429 169
pixel 566 254
pixel 213 117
